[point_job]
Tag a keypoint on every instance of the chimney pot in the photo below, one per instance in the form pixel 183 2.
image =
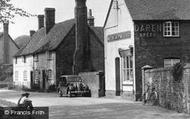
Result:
pixel 49 18
pixel 90 18
pixel 6 43
pixel 40 21
pixel 32 32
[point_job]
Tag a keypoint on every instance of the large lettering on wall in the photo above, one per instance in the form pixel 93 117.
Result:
pixel 148 29
pixel 119 36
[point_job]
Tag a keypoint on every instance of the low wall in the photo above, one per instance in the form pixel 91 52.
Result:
pixel 172 94
pixel 95 82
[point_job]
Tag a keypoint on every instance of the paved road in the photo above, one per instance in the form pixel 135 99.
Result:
pixel 94 108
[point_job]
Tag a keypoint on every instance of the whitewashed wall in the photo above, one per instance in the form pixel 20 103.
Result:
pixel 118 21
pixel 20 66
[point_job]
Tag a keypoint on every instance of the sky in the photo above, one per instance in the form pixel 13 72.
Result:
pixel 64 11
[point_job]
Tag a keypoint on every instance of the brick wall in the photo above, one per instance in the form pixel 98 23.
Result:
pixel 64 55
pixel 172 94
pixel 151 50
pixel 96 52
pixel 65 52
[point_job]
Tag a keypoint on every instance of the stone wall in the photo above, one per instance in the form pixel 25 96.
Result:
pixel 151 47
pixel 172 95
pixel 96 83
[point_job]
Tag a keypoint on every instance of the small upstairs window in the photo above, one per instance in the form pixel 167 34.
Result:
pixel 169 62
pixel 36 58
pixel 171 29
pixel 24 59
pixel 16 60
pixel 49 56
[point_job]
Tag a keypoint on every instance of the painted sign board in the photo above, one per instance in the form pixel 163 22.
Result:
pixel 148 29
pixel 119 36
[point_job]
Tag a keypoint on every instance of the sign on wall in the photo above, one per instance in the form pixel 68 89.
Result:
pixel 119 36
pixel 148 29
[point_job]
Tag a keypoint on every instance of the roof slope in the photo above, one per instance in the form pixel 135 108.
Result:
pixel 21 41
pixel 41 42
pixel 55 36
pixel 159 9
pixel 33 43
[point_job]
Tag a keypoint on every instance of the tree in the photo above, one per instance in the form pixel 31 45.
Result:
pixel 8 11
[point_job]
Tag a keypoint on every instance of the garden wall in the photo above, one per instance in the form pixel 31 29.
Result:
pixel 173 94
pixel 96 83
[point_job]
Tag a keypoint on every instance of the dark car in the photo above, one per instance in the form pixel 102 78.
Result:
pixel 72 85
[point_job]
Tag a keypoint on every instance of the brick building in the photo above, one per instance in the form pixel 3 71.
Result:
pixel 8 47
pixel 68 47
pixel 139 33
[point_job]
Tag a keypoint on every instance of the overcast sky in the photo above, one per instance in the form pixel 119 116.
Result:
pixel 64 11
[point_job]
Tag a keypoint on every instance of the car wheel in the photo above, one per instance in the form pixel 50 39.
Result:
pixel 60 94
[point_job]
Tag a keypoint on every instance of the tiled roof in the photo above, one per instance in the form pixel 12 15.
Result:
pixel 40 42
pixel 99 32
pixel 33 43
pixel 159 9
pixel 55 36
pixel 21 41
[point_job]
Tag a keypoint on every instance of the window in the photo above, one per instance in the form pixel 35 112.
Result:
pixel 16 60
pixel 25 75
pixel 170 62
pixel 24 59
pixel 49 55
pixel 127 68
pixel 49 73
pixel 171 29
pixel 36 58
pixel 16 75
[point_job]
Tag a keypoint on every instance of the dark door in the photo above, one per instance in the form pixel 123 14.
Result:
pixel 43 80
pixel 117 75
pixel 31 79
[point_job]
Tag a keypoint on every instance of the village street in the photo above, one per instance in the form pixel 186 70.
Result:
pixel 93 108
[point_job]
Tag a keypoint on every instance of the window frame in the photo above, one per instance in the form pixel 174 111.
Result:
pixel 16 60
pixel 25 75
pixel 127 68
pixel 172 61
pixel 24 59
pixel 16 75
pixel 36 58
pixel 170 29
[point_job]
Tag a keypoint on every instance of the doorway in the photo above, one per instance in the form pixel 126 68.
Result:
pixel 117 76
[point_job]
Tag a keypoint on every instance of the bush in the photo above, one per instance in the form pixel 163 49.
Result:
pixel 177 71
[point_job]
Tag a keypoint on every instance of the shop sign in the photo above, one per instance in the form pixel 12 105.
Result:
pixel 119 36
pixel 148 30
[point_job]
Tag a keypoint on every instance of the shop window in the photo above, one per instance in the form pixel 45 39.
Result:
pixel 171 29
pixel 16 75
pixel 170 62
pixel 127 68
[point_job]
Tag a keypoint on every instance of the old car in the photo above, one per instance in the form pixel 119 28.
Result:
pixel 72 85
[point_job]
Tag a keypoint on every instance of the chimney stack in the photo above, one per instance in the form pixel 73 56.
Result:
pixel 32 32
pixel 90 18
pixel 6 43
pixel 40 21
pixel 49 18
pixel 81 55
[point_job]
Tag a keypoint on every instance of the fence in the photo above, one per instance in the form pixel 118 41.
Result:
pixel 173 95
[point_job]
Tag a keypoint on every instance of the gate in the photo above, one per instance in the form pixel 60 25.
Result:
pixel 186 78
